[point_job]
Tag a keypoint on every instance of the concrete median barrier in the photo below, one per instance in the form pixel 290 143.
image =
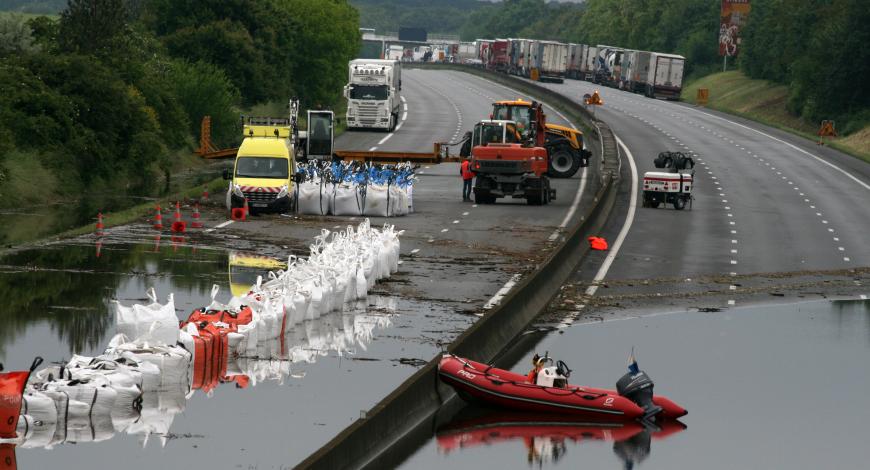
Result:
pixel 405 412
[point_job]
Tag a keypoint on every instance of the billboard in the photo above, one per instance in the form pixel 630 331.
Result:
pixel 412 34
pixel 731 20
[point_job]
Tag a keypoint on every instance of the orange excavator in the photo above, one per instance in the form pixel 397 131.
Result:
pixel 509 159
pixel 564 144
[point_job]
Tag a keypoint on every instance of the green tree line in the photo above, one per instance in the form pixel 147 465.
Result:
pixel 104 95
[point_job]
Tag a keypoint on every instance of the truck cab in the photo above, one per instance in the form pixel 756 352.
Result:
pixel 373 94
pixel 262 174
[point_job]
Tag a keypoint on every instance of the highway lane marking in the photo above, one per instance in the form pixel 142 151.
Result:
pixel 415 251
pixel 617 244
pixel 386 138
pixel 402 97
pixel 820 159
pixel 373 149
pixel 220 225
pixel 502 292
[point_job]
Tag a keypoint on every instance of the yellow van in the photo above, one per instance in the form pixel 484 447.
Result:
pixel 264 167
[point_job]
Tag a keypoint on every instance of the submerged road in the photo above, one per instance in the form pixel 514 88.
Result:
pixel 456 258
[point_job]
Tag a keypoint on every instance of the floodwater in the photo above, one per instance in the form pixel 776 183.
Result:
pixel 57 304
pixel 781 386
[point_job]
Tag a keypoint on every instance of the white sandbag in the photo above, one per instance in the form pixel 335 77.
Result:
pixel 377 201
pixel 348 200
pixel 314 198
pixel 398 205
pixel 409 191
pixel 361 284
pixel 127 406
pixel 158 412
pixel 155 323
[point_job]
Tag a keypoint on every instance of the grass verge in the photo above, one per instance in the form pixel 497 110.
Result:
pixel 765 102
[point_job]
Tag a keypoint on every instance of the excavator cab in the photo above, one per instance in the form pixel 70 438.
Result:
pixel 528 116
pixel 495 132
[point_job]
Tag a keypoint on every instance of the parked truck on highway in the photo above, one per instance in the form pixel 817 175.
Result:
pixel 373 94
pixel 665 77
pixel 636 71
pixel 551 61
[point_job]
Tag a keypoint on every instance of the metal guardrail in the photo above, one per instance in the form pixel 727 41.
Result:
pixel 406 411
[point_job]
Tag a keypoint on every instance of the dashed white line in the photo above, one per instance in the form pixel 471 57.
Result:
pixel 220 225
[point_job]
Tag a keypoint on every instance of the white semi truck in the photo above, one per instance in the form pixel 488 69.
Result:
pixel 373 94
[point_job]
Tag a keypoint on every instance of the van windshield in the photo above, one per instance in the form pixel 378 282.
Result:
pixel 369 92
pixel 262 167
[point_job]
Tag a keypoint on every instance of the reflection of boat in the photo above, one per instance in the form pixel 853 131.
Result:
pixel 244 268
pixel 506 389
pixel 546 436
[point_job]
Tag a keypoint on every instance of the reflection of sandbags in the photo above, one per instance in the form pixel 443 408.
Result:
pixel 41 409
pixel 409 191
pixel 314 198
pixel 348 200
pixel 159 408
pixel 377 201
pixel 155 323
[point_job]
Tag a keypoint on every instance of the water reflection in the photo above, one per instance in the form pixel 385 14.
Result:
pixel 547 438
pixel 68 286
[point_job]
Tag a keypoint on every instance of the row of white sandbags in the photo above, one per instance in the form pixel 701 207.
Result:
pixel 138 385
pixel 318 197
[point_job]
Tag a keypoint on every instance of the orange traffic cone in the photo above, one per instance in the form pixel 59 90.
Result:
pixel 99 246
pixel 196 222
pixel 178 225
pixel 158 219
pixel 240 213
pixel 100 225
pixel 205 194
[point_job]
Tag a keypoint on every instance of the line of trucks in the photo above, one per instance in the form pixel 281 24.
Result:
pixel 654 74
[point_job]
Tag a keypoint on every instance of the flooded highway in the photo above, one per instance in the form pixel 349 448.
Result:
pixel 263 413
pixel 767 386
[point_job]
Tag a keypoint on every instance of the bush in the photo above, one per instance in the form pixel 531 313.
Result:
pixel 204 89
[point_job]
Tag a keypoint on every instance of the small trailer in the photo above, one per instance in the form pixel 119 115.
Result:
pixel 668 188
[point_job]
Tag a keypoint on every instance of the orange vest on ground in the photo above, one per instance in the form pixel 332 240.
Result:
pixel 598 243
pixel 467 174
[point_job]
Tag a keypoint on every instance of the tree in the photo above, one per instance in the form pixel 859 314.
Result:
pixel 205 90
pixel 92 26
pixel 16 36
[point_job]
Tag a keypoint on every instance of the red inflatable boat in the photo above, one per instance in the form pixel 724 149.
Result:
pixel 505 389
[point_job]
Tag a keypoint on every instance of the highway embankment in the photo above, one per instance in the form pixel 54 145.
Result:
pixel 767 102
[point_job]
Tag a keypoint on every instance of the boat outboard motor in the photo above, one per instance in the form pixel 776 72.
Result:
pixel 638 387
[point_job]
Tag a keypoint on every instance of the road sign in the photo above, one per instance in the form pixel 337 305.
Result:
pixel 826 130
pixel 703 95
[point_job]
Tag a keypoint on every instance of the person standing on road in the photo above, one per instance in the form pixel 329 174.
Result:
pixel 467 178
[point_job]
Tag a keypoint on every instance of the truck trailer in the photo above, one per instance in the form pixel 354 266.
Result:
pixel 636 70
pixel 665 77
pixel 373 94
pixel 552 61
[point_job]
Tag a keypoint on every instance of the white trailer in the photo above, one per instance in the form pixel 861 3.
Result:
pixel 575 60
pixel 665 77
pixel 636 70
pixel 588 69
pixel 373 93
pixel 466 51
pixel 552 61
